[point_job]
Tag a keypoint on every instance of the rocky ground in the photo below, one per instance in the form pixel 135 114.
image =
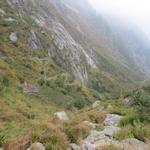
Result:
pixel 97 139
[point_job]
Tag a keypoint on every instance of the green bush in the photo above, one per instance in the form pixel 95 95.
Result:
pixel 141 101
pixel 4 82
pixel 128 120
pixel 97 117
pixel 100 127
pixel 76 133
pixel 124 133
pixel 140 132
pixel 78 104
pixel 122 110
pixel 52 139
pixel 2 137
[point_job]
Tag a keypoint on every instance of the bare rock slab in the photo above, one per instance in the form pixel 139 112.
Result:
pixel 13 37
pixel 62 116
pixel 36 146
pixel 112 120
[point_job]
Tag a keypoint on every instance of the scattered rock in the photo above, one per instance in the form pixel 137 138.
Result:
pixel 133 144
pixel 106 134
pixel 110 130
pixel 74 147
pixel 96 104
pixel 16 2
pixel 90 124
pixel 88 146
pixel 40 21
pixel 2 12
pixel 36 146
pixel 97 139
pixel 105 137
pixel 13 37
pixel 109 106
pixel 126 101
pixel 34 41
pixel 95 136
pixel 62 116
pixel 9 19
pixel 102 108
pixel 30 89
pixel 112 120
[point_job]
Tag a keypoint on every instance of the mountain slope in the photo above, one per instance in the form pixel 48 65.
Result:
pixel 82 42
pixel 60 55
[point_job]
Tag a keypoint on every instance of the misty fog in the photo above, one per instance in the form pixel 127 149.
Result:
pixel 136 11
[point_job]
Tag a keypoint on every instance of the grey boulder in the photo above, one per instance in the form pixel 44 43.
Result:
pixel 36 146
pixel 112 120
pixel 13 37
pixel 62 116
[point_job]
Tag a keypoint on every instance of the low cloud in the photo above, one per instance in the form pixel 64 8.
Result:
pixel 137 11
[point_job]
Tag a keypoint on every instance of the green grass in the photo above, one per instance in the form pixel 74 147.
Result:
pixel 124 133
pixel 128 120
pixel 121 109
pixel 26 118
pixel 138 131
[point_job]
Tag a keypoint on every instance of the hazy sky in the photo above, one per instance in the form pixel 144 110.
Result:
pixel 135 10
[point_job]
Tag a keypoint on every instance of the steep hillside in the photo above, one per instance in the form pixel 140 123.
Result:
pixel 67 53
pixel 85 45
pixel 60 55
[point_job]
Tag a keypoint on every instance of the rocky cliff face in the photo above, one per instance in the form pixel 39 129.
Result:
pixel 64 49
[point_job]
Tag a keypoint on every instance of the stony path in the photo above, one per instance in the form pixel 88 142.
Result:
pixel 105 137
pixel 96 139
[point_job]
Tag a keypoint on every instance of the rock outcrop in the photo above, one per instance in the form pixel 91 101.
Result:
pixel 112 120
pixel 90 124
pixel 34 41
pixel 13 37
pixel 133 144
pixel 98 139
pixel 96 104
pixel 2 12
pixel 30 89
pixel 36 146
pixel 62 116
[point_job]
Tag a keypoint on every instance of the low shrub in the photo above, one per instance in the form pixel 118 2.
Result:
pixel 124 133
pixel 97 117
pixel 122 110
pixel 140 132
pixel 17 144
pixel 140 100
pixel 77 132
pixel 52 139
pixel 128 120
pixel 100 127
pixel 2 137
